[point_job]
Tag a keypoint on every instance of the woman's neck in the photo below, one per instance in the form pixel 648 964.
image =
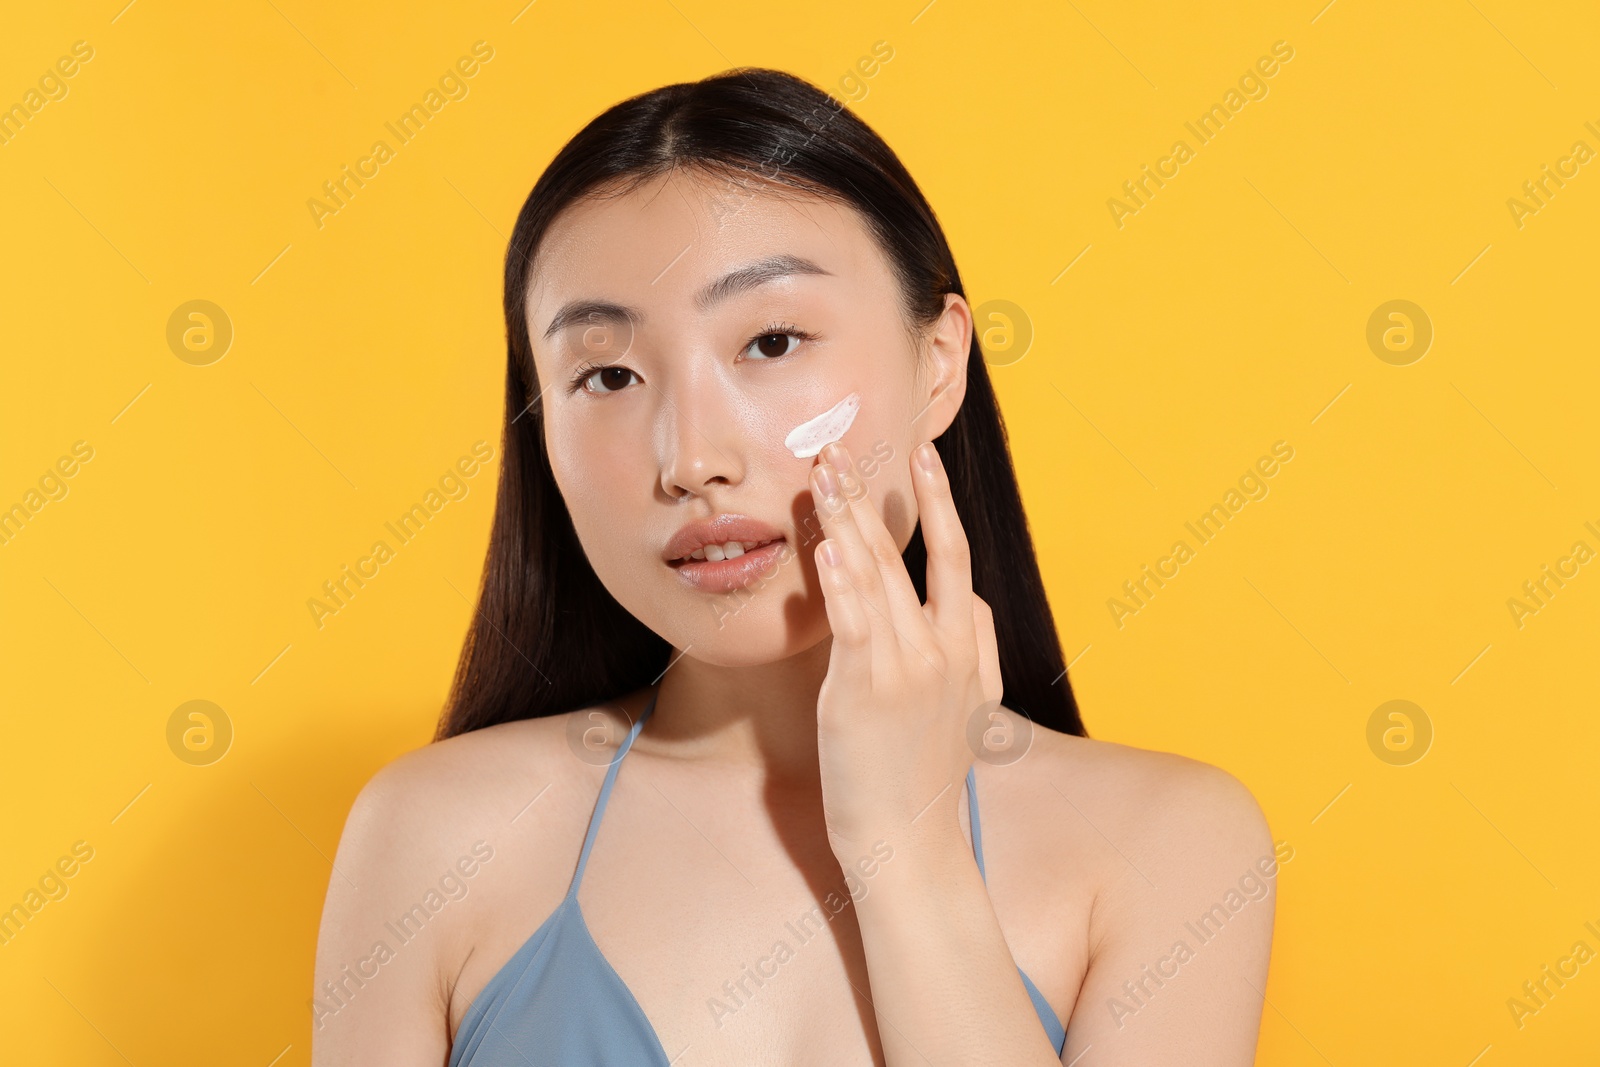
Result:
pixel 760 718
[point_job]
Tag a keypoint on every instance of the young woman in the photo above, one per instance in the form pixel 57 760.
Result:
pixel 759 753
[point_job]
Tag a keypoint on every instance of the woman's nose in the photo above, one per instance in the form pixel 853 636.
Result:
pixel 701 438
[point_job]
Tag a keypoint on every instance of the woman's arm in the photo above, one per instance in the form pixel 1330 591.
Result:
pixel 378 998
pixel 1181 930
pixel 944 986
pixel 1180 935
pixel 904 681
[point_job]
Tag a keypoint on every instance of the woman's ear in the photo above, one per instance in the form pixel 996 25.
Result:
pixel 947 349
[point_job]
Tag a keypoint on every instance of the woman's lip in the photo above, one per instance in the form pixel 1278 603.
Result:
pixel 726 575
pixel 764 542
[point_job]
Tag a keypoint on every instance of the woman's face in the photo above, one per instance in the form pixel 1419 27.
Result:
pixel 727 317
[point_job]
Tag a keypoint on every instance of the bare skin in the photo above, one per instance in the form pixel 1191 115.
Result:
pixel 723 826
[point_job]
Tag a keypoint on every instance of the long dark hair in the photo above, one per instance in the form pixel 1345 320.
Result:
pixel 547 637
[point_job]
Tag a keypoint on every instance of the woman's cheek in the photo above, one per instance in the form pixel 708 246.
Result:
pixel 587 473
pixel 877 463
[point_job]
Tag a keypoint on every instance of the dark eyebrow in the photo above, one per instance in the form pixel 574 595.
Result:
pixel 754 274
pixel 734 282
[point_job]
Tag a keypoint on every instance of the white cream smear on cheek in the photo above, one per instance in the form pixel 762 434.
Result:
pixel 809 438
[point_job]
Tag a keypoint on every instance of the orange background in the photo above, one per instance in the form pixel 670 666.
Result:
pixel 1164 356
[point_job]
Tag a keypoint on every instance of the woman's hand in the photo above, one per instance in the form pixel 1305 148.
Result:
pixel 904 679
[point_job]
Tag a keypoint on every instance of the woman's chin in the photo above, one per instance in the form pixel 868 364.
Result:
pixel 751 638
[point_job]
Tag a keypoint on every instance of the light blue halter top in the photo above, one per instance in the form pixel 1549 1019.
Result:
pixel 559 1001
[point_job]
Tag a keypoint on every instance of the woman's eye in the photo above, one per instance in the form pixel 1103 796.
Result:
pixel 607 379
pixel 773 345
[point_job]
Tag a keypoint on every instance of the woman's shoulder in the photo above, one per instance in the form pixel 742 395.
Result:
pixel 523 779
pixel 447 838
pixel 1186 815
pixel 467 769
pixel 527 783
pixel 489 776
pixel 1143 775
pixel 1144 857
pixel 421 809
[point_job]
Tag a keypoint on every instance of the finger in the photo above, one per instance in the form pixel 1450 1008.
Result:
pixel 838 524
pixel 905 607
pixel 949 555
pixel 988 650
pixel 851 656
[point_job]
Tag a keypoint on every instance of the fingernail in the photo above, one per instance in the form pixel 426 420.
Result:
pixel 836 454
pixel 830 553
pixel 851 484
pixel 928 456
pixel 827 481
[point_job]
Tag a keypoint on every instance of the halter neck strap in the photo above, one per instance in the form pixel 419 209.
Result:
pixel 972 819
pixel 605 795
